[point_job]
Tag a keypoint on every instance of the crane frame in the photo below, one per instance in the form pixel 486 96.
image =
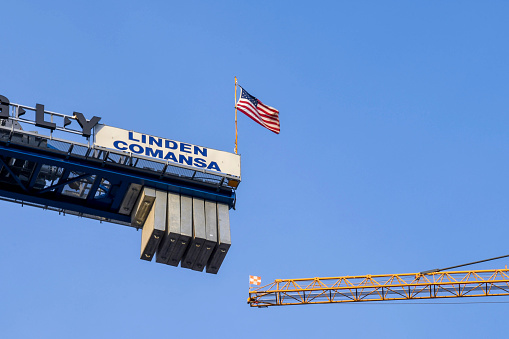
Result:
pixel 386 287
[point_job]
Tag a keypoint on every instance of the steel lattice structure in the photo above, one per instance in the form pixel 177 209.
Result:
pixel 87 180
pixel 408 286
pixel 118 180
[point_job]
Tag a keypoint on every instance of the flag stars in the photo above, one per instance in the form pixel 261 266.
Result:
pixel 246 95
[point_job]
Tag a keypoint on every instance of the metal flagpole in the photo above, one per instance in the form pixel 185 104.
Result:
pixel 236 133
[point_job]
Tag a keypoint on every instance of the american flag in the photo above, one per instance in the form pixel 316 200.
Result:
pixel 265 115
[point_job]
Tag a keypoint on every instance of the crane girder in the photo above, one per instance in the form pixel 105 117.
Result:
pixel 407 286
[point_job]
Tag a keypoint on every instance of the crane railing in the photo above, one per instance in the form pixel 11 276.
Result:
pixel 408 286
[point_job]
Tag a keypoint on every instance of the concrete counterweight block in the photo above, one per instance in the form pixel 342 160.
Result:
pixel 224 239
pixel 154 227
pixel 170 244
pixel 184 227
pixel 210 236
pixel 142 207
pixel 199 235
pixel 130 199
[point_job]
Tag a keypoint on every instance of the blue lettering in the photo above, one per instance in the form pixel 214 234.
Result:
pixel 144 138
pixel 173 144
pixel 185 148
pixel 153 140
pixel 170 156
pixel 202 151
pixel 151 153
pixel 117 143
pixel 131 137
pixel 188 160
pixel 213 165
pixel 199 162
pixel 136 148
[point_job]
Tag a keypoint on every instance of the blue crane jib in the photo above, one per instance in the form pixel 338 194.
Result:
pixel 179 194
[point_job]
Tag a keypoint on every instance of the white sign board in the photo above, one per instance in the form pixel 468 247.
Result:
pixel 199 157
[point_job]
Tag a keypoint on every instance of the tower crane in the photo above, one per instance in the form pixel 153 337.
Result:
pixel 431 284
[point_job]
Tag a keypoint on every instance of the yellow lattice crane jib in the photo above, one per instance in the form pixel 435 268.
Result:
pixel 385 287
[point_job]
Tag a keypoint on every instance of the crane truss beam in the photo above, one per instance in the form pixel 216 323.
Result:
pixel 57 175
pixel 408 286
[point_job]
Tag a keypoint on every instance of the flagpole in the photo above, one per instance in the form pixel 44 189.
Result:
pixel 236 133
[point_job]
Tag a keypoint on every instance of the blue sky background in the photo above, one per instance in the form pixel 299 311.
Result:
pixel 392 158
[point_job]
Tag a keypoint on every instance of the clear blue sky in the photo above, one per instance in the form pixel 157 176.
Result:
pixel 392 158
